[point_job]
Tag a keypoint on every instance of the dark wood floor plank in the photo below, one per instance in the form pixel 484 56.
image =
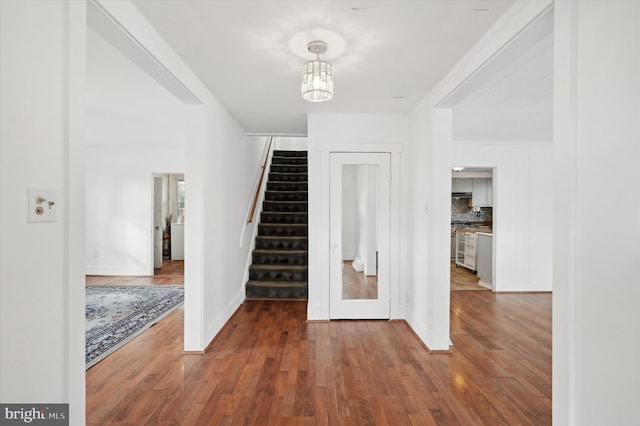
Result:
pixel 270 366
pixel 171 273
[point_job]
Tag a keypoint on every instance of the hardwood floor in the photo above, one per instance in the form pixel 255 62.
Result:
pixel 172 273
pixel 464 279
pixel 356 285
pixel 269 366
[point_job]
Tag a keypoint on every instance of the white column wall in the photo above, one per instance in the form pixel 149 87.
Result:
pixel 418 195
pixel 220 169
pixel 596 374
pixel 41 144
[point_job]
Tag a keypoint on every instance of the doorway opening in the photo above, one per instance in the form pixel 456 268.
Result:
pixel 168 223
pixel 472 225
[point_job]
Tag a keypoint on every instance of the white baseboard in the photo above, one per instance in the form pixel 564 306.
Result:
pixel 420 331
pixel 214 328
pixel 483 284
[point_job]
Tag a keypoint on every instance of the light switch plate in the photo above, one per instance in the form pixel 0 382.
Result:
pixel 42 204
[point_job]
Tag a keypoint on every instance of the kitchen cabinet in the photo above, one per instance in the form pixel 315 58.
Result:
pixel 461 185
pixel 482 192
pixel 466 249
pixel 485 259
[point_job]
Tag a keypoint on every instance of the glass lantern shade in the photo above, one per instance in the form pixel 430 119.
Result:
pixel 317 81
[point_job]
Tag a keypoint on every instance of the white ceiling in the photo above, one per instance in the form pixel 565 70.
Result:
pixel 386 54
pixel 514 104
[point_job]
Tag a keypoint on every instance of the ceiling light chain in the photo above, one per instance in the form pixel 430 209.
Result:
pixel 317 75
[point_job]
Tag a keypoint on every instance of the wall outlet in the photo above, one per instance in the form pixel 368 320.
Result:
pixel 42 205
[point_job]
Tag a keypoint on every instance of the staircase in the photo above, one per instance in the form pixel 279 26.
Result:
pixel 279 264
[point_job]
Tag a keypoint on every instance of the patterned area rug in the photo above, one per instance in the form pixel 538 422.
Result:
pixel 117 314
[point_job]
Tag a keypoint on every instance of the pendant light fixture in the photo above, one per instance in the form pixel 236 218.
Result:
pixel 317 75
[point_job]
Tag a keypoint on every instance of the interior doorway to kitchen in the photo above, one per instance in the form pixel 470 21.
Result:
pixel 472 225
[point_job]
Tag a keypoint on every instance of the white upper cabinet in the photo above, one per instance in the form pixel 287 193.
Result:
pixel 462 185
pixel 479 195
pixel 482 194
pixel 480 188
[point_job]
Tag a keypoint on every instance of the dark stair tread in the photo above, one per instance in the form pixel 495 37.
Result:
pixel 270 267
pixel 268 251
pixel 289 182
pixel 288 173
pixel 283 225
pixel 276 191
pixel 257 283
pixel 271 195
pixel 304 167
pixel 282 237
pixel 289 153
pixel 284 218
pixel 287 202
pixel 285 213
pixel 285 206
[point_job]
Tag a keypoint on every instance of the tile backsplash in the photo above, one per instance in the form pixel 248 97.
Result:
pixel 460 212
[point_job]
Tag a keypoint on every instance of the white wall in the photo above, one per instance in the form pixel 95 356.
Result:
pixel 293 143
pixel 334 132
pixel 596 320
pixel 41 138
pixel 368 209
pixel 227 191
pixel 522 223
pixel 349 213
pixel 119 198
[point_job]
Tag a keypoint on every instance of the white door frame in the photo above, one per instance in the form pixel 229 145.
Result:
pixel 377 308
pixel 157 234
pixel 319 296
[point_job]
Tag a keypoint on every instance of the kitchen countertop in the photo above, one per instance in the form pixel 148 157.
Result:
pixel 482 230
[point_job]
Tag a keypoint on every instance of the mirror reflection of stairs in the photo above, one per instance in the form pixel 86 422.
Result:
pixel 280 257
